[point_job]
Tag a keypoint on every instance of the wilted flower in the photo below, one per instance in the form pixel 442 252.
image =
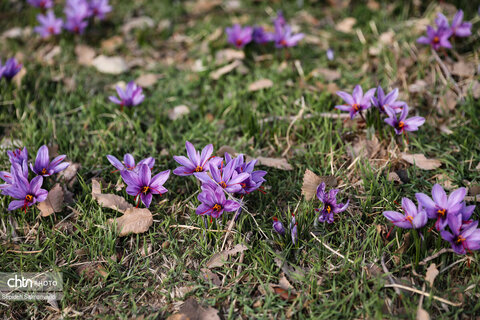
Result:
pixel 99 8
pixel 389 100
pixel 49 25
pixel 44 4
pixel 464 239
pixel 412 217
pixel 129 162
pixel 437 38
pixel 330 54
pixel 278 226
pixel 402 124
pixel 227 178
pixel 18 156
pixel 132 95
pixel 239 36
pixel 330 205
pixel 283 36
pixel 141 184
pixel 357 102
pixel 195 162
pixel 76 11
pixel 260 36
pixel 27 192
pixel 43 166
pixel 441 207
pixel 10 69
pixel 214 203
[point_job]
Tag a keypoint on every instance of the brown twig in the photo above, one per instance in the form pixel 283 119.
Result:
pixel 400 286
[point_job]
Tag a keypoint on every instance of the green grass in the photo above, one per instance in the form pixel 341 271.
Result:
pixel 146 270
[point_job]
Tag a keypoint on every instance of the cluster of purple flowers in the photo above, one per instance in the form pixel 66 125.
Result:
pixel 386 104
pixel 440 37
pixel 130 97
pixel 77 13
pixel 219 175
pixel 9 69
pixel 282 37
pixel 451 212
pixel 138 178
pixel 16 181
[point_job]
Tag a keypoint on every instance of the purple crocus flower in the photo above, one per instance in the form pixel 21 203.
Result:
pixel 49 25
pixel 76 12
pixel 284 38
pixel 99 8
pixel 402 124
pixel 18 156
pixel 214 203
pixel 464 239
pixel 44 4
pixel 195 162
pixel 129 162
pixel 132 95
pixel 357 102
pixel 466 213
pixel 278 226
pixel 460 28
pixel 10 69
pixel 441 21
pixel 27 193
pixel 227 178
pixel 293 229
pixel 330 54
pixel 255 179
pixel 330 205
pixel 279 19
pixel 141 184
pixel 412 217
pixel 389 100
pixel 441 207
pixel 7 177
pixel 261 36
pixel 437 38
pixel 43 166
pixel 239 36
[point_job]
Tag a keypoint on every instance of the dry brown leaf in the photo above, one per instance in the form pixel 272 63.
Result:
pixel 475 87
pixel 91 269
pixel 386 38
pixel 110 65
pixel 178 112
pixel 208 275
pixel 373 5
pixel 311 181
pixel 365 148
pixel 346 25
pixel 327 74
pixel 111 201
pixel 227 55
pixel 69 175
pixel 53 203
pixel 111 44
pixel 417 87
pixel 202 6
pixel 284 294
pixel 13 33
pixel 422 314
pixel 147 80
pixel 278 163
pixel 421 161
pixel 432 273
pixel 393 176
pixel 260 84
pixel 448 102
pixel 463 69
pixel 134 220
pixel 191 310
pixel 217 74
pixel 219 258
pixel 138 23
pixel 85 54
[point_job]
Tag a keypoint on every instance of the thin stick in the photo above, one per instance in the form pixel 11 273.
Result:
pixel 426 294
pixel 424 261
pixel 230 227
pixel 197 228
pixel 330 249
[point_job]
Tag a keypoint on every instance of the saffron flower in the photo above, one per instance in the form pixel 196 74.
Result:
pixel 279 19
pixel 357 102
pixel 389 100
pixel 43 166
pixel 255 179
pixel 43 4
pixel 227 178
pixel 460 28
pixel 7 177
pixel 330 205
pixel 49 25
pixel 195 162
pixel 437 38
pixel 441 207
pixel 284 38
pixel 278 227
pixel 293 229
pixel 132 95
pixel 402 124
pixel 466 213
pixel 330 54
pixel 10 69
pixel 260 36
pixel 463 239
pixel 141 184
pixel 214 203
pixel 27 193
pixel 76 11
pixel 129 162
pixel 412 217
pixel 18 156
pixel 99 8
pixel 239 36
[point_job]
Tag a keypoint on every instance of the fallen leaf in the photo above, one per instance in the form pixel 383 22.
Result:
pixel 202 6
pixel 53 203
pixel 110 65
pixel 219 258
pixel 111 201
pixel 147 80
pixel 69 175
pixel 417 87
pixel 463 69
pixel 13 33
pixel 208 275
pixel 278 163
pixel 327 74
pixel 138 23
pixel 91 269
pixel 386 38
pixel 421 161
pixel 448 102
pixel 191 310
pixel 346 25
pixel 217 74
pixel 432 273
pixel 134 220
pixel 260 84
pixel 311 181
pixel 178 112
pixel 373 5
pixel 363 147
pixel 85 54
pixel 111 44
pixel 227 55
pixel 393 176
pixel 475 87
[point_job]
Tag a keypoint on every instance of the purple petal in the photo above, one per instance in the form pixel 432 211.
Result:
pixel 192 153
pixel 346 97
pixel 159 179
pixel 456 197
pixel 439 196
pixel 129 161
pixel 357 94
pixel 115 162
pixel 15 204
pixel 146 199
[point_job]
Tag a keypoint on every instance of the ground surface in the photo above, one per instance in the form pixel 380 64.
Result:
pixel 64 104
